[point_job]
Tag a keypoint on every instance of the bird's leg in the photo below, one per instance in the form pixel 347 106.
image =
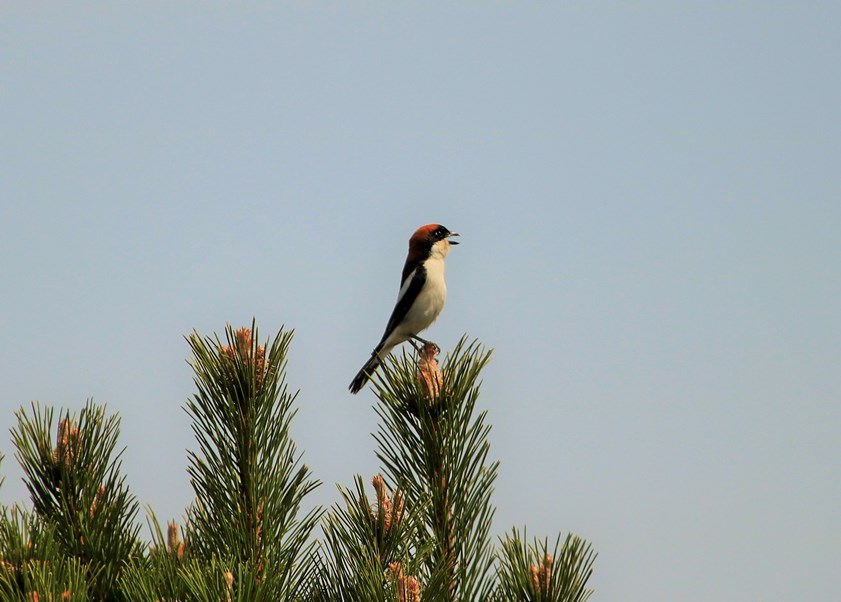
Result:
pixel 420 340
pixel 414 345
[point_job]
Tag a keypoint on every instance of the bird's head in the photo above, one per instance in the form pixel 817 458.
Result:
pixel 429 240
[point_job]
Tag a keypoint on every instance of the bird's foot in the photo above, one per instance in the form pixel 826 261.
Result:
pixel 420 340
pixel 426 348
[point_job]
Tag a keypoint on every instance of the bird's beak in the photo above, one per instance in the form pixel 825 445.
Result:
pixel 451 234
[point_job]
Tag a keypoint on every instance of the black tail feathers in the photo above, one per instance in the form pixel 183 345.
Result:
pixel 364 375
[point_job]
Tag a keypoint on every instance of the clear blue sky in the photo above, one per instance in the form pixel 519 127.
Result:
pixel 649 197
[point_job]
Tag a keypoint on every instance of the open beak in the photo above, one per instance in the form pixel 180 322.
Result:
pixel 450 235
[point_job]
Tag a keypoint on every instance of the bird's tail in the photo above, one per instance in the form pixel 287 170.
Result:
pixel 363 375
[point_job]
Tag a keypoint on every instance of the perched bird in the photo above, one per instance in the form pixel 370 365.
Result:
pixel 421 297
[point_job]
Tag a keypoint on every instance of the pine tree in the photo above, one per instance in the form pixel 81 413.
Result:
pixel 423 533
pixel 247 474
pixel 434 446
pixel 245 538
pixel 82 531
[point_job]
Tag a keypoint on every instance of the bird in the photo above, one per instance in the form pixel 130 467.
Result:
pixel 421 297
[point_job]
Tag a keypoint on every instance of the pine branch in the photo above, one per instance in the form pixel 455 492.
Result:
pixel 32 566
pixel 374 551
pixel 247 475
pixel 77 490
pixel 432 443
pixel 159 574
pixel 531 572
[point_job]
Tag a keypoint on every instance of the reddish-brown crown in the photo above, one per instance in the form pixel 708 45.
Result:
pixel 424 232
pixel 419 244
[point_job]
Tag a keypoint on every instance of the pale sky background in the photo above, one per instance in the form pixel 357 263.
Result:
pixel 649 197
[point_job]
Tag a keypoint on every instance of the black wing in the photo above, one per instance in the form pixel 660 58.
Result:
pixel 418 279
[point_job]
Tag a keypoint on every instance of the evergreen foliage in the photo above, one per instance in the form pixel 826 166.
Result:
pixel 531 572
pixel 159 575
pixel 83 510
pixel 422 534
pixel 431 443
pixel 244 539
pixel 376 551
pixel 33 561
pixel 247 468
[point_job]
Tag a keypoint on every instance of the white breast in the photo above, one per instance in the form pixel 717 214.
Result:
pixel 431 300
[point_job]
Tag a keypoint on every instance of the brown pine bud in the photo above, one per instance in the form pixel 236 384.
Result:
pixel 429 372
